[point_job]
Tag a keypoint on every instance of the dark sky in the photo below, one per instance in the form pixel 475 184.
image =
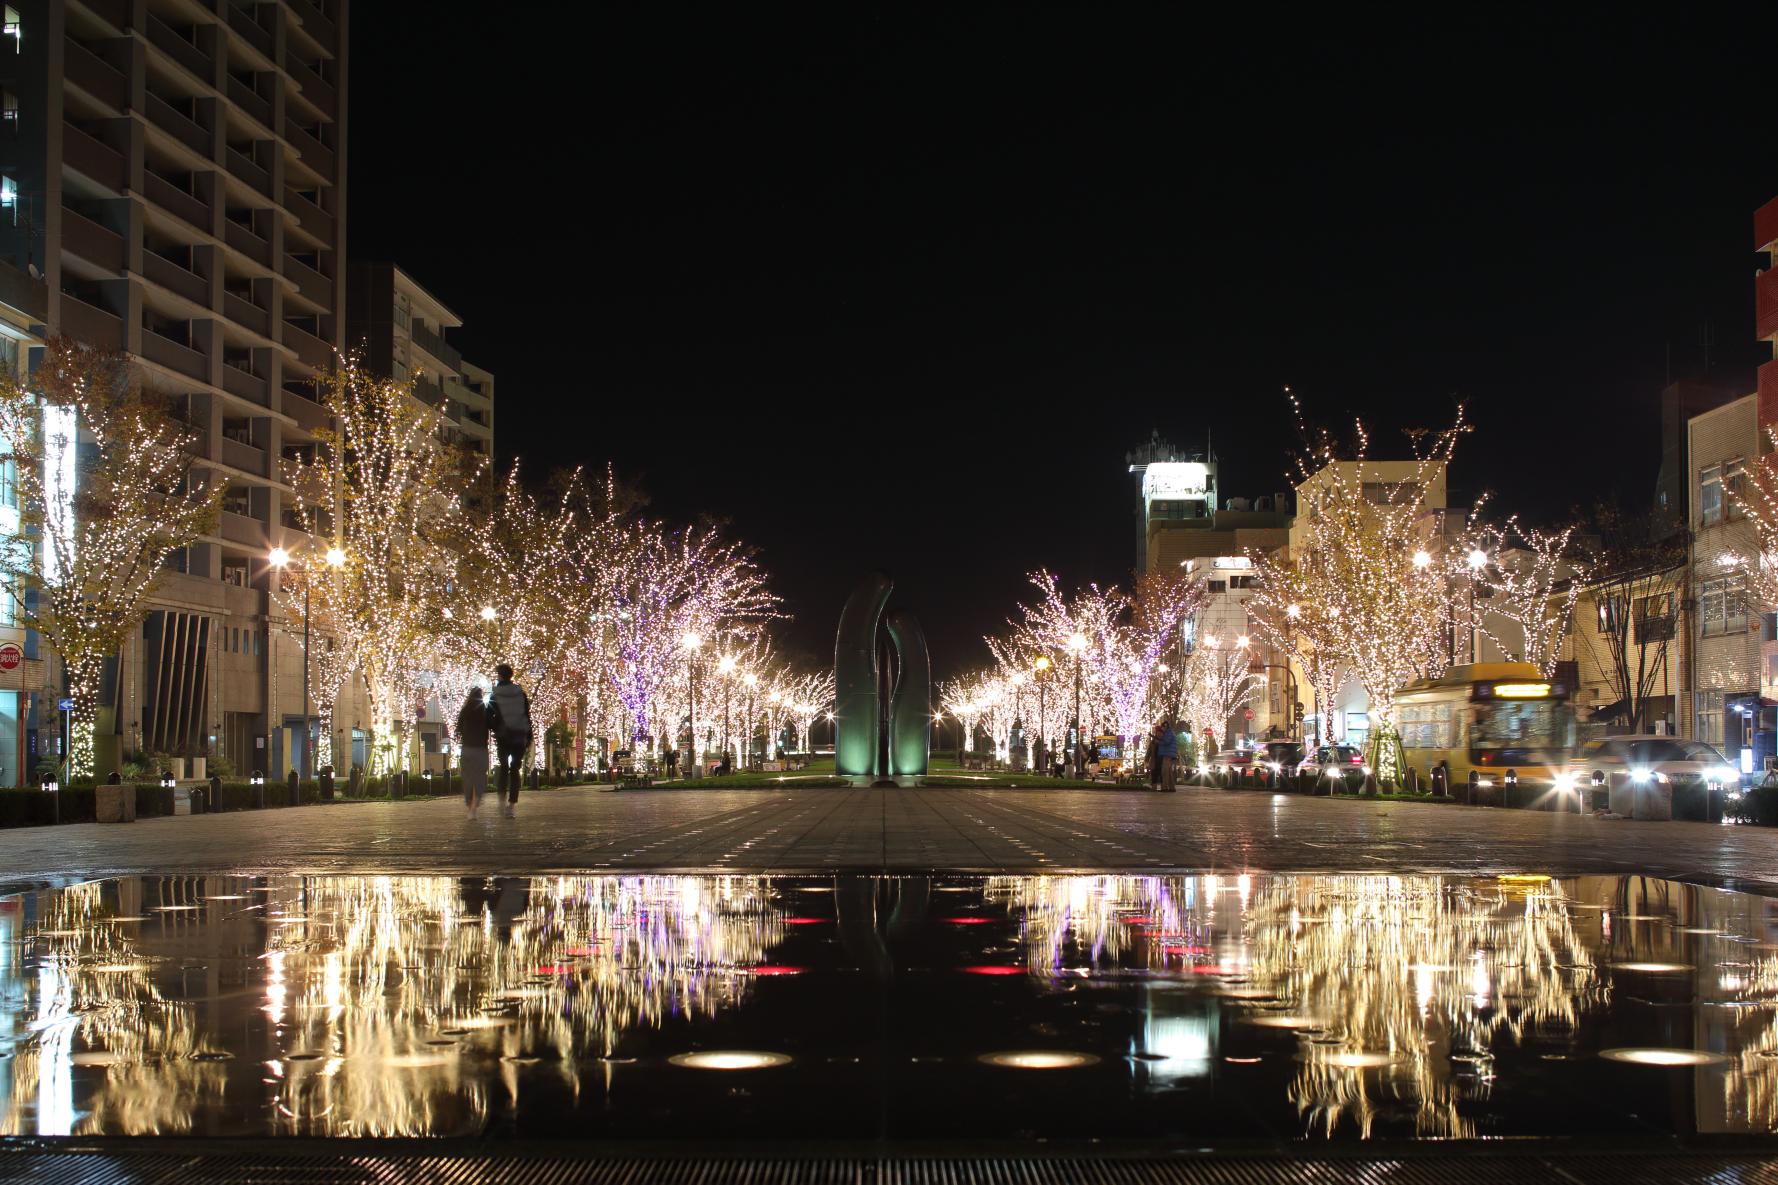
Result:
pixel 894 288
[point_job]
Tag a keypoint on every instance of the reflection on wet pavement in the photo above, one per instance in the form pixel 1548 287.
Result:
pixel 1232 1008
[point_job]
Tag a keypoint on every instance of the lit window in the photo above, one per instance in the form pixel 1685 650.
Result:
pixel 13 28
pixel 9 109
pixel 1709 495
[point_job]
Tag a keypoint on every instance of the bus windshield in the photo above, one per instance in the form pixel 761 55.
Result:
pixel 1522 724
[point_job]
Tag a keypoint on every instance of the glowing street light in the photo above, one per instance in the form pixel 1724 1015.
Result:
pixel 1077 646
pixel 1478 559
pixel 692 641
pixel 1422 559
pixel 335 557
pixel 1293 611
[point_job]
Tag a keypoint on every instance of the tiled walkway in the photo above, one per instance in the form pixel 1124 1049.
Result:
pixel 966 830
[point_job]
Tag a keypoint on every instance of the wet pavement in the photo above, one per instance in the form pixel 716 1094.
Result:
pixel 987 831
pixel 1213 1009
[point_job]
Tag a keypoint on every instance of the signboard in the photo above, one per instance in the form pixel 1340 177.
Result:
pixel 64 705
pixel 1247 713
pixel 11 655
pixel 1164 480
pixel 1232 563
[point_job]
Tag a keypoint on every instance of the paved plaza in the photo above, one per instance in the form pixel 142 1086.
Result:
pixel 806 830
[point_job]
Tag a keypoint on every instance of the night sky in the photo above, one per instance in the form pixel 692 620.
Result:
pixel 896 288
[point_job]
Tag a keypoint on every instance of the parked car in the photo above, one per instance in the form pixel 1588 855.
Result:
pixel 1344 762
pixel 1233 762
pixel 1658 777
pixel 1280 757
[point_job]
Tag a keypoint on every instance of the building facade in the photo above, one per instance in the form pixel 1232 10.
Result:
pixel 1725 629
pixel 175 175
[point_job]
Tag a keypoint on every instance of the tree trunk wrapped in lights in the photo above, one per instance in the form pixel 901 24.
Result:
pixel 104 479
pixel 383 494
pixel 1534 577
pixel 1219 678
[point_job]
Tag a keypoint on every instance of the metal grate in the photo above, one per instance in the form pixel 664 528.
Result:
pixel 38 1166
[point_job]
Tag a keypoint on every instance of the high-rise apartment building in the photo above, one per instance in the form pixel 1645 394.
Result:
pixel 174 172
pixel 398 329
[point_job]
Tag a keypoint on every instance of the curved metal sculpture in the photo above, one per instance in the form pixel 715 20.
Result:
pixel 859 715
pixel 857 711
pixel 910 710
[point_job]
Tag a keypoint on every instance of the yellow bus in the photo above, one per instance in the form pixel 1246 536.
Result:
pixel 1504 722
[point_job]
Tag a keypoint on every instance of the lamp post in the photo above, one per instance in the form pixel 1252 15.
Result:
pixel 775 698
pixel 692 642
pixel 1077 646
pixel 1478 560
pixel 751 680
pixel 279 557
pixel 1042 666
pixel 725 666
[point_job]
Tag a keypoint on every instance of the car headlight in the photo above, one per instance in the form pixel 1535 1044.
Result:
pixel 1729 775
pixel 1564 783
pixel 1365 770
pixel 1648 775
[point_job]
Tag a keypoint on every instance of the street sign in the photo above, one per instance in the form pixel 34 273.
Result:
pixel 1248 713
pixel 64 705
pixel 11 655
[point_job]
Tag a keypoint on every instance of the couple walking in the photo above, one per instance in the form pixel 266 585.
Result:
pixel 506 714
pixel 1163 756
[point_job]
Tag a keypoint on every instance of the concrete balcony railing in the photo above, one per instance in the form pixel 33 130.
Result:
pixel 243 167
pixel 308 414
pixel 246 313
pixel 248 100
pixel 314 153
pixel 319 27
pixel 242 25
pixel 309 282
pixel 1765 305
pixel 94 75
pixel 175 356
pixel 176 201
pixel 87 155
pixel 246 242
pixel 178 47
pixel 313 88
pixel 242 529
pixel 437 346
pixel 88 240
pixel 313 218
pixel 178 125
pixel 174 278
pixel 1765 226
pixel 94 326
pixel 245 457
pixel 309 348
pixel 245 384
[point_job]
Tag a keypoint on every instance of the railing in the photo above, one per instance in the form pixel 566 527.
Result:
pixel 437 346
pixel 239 528
pixel 249 100
pixel 174 356
pixel 245 384
pixel 308 347
pixel 429 393
pixel 245 312
pixel 1765 299
pixel 94 326
pixel 1765 225
pixel 306 412
pixel 23 291
pixel 179 125
pixel 317 155
pixel 169 41
pixel 92 242
pixel 244 167
pixel 176 201
pixel 94 75
pixel 313 89
pixel 314 220
pixel 174 278
pixel 244 457
pixel 84 154
pixel 115 13
pixel 246 242
pixel 309 282
pixel 242 24
pixel 321 28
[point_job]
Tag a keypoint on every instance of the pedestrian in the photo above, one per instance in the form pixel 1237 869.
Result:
pixel 511 710
pixel 1167 748
pixel 1151 757
pixel 472 739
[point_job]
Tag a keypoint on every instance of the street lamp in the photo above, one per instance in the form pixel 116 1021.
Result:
pixel 1042 666
pixel 725 666
pixel 692 642
pixel 1422 559
pixel 776 698
pixel 752 681
pixel 1478 559
pixel 279 558
pixel 1077 646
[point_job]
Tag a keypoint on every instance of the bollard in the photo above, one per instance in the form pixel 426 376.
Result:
pixel 257 781
pixel 1598 785
pixel 1469 795
pixel 1508 784
pixel 216 791
pixel 326 785
pixel 295 785
pixel 355 782
pixel 1412 785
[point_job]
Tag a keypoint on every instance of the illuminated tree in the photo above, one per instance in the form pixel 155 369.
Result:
pixel 1755 498
pixel 104 481
pixel 382 489
pixel 1219 678
pixel 1535 578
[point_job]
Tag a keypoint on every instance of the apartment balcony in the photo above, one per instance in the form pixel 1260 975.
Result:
pixel 315 154
pixel 176 46
pixel 249 30
pixel 1765 305
pixel 319 27
pixel 309 282
pixel 91 158
pixel 437 346
pixel 313 89
pixel 175 356
pixel 174 278
pixel 308 414
pixel 429 393
pixel 1765 226
pixel 313 218
pixel 179 125
pixel 246 313
pixel 244 97
pixel 246 242
pixel 96 244
pixel 242 166
pixel 247 385
pixel 115 13
pixel 245 457
pixel 241 529
pixel 94 75
pixel 94 326
pixel 24 292
pixel 175 201
pixel 309 348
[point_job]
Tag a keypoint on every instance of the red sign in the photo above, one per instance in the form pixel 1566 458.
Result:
pixel 1248 713
pixel 11 655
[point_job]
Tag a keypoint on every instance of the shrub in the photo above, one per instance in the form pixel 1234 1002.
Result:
pixel 26 808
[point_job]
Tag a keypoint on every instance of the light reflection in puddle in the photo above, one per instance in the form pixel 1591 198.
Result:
pixel 1343 1005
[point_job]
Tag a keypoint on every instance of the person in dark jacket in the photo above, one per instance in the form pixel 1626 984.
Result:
pixel 472 739
pixel 1167 749
pixel 1151 757
pixel 511 710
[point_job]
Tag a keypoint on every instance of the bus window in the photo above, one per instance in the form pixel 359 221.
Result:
pixel 1540 724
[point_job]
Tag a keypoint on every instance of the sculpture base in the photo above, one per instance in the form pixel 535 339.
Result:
pixel 873 782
